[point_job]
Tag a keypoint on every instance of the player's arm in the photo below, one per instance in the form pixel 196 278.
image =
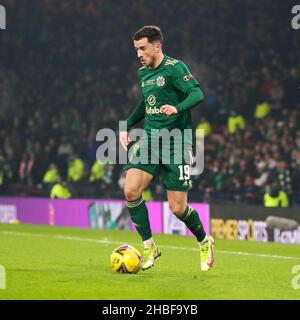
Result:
pixel 183 81
pixel 136 116
pixel 194 97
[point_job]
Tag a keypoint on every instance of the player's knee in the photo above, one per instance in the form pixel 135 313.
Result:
pixel 131 193
pixel 177 209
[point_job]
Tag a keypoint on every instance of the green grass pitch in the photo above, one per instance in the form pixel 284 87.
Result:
pixel 68 263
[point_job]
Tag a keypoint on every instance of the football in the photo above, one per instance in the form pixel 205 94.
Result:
pixel 126 259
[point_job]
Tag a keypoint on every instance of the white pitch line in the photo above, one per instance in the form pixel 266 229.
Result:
pixel 105 241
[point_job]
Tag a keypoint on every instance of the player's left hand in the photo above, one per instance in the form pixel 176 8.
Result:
pixel 168 110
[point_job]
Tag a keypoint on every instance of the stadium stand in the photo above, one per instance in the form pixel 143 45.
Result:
pixel 68 69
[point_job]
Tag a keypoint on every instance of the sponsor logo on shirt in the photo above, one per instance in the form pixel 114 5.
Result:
pixel 151 100
pixel 153 110
pixel 148 83
pixel 187 77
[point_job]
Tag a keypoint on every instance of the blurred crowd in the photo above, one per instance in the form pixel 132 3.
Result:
pixel 68 69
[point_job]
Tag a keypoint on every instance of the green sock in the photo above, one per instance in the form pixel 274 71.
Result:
pixel 139 215
pixel 192 221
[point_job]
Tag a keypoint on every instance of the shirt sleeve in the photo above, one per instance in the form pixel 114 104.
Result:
pixel 135 116
pixel 183 80
pixel 194 96
pixel 138 112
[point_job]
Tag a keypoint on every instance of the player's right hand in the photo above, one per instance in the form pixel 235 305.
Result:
pixel 124 139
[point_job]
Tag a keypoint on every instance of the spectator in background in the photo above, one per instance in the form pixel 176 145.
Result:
pixel 205 126
pixel 51 175
pixel 64 152
pixel 262 178
pixel 295 182
pixel 276 197
pixel 75 169
pixel 60 190
pixel 25 169
pixel 97 172
pixel 291 88
pixel 235 122
pixel 284 177
pixel 276 93
pixel 5 175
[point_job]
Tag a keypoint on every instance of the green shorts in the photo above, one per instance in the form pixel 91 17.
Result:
pixel 175 175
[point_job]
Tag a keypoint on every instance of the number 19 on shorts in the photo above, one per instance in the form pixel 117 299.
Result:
pixel 184 172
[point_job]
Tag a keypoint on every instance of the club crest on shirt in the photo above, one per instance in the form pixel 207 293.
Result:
pixel 160 81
